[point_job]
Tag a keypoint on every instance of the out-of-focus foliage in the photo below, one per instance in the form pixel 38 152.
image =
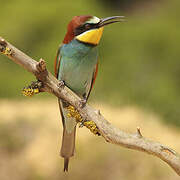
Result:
pixel 129 5
pixel 139 59
pixel 30 144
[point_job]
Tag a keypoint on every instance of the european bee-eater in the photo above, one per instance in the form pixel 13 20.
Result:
pixel 76 65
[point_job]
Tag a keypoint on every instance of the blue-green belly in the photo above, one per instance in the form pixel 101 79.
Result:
pixel 77 65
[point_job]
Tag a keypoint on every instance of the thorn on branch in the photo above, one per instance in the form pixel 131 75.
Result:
pixel 139 132
pixel 98 112
pixel 107 139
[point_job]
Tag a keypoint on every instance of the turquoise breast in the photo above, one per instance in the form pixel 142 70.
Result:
pixel 77 65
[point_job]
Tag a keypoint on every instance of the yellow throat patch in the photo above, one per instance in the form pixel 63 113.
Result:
pixel 92 36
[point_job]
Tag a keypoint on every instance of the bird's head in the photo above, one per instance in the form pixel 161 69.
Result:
pixel 88 29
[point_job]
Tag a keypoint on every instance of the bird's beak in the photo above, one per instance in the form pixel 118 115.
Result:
pixel 110 20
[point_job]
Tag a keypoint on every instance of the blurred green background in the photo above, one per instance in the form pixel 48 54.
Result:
pixel 139 59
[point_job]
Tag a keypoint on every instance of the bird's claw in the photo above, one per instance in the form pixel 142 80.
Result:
pixel 81 124
pixel 61 84
pixel 82 103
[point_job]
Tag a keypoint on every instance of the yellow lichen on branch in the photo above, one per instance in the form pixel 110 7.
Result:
pixel 29 91
pixel 89 124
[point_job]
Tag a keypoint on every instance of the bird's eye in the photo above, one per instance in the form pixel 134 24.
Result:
pixel 83 28
pixel 87 26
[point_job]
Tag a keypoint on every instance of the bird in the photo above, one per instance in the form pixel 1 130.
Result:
pixel 76 65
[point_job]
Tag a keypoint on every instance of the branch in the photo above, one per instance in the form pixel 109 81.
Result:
pixel 111 134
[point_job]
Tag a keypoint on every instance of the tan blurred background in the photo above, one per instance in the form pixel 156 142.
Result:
pixel 137 85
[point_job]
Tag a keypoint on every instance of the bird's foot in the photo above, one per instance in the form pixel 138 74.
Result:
pixel 82 103
pixel 81 124
pixel 32 89
pixel 61 84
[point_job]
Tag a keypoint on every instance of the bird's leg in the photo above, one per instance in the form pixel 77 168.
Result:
pixel 83 101
pixel 32 89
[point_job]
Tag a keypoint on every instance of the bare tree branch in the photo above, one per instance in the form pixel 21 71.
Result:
pixel 111 134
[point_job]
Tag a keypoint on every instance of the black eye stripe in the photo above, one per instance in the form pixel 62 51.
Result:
pixel 84 27
pixel 87 26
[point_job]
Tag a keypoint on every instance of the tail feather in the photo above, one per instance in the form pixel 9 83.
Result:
pixel 68 139
pixel 66 164
pixel 68 143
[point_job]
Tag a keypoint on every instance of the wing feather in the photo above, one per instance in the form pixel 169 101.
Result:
pixel 57 61
pixel 93 79
pixel 94 75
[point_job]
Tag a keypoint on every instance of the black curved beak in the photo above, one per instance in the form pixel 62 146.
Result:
pixel 110 20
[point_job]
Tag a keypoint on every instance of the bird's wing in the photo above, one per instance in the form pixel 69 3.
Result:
pixel 68 139
pixel 94 75
pixel 57 61
pixel 93 79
